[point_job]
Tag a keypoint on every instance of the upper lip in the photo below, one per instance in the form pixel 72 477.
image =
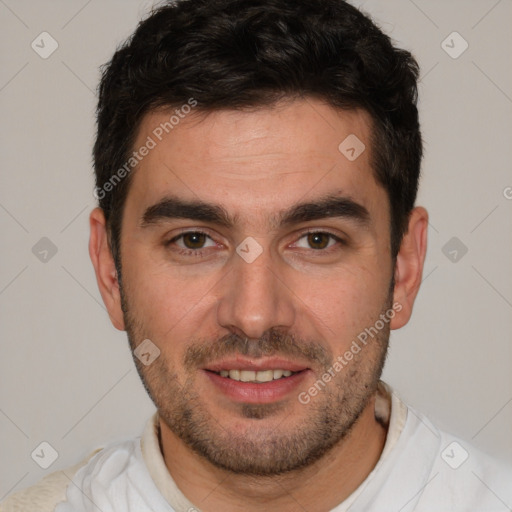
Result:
pixel 241 363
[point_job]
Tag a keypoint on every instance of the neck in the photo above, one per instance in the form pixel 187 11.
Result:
pixel 317 488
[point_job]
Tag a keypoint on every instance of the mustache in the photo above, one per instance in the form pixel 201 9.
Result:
pixel 272 343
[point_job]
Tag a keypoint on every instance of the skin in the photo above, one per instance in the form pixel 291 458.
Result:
pixel 255 164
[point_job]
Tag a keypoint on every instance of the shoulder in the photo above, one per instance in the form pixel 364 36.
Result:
pixel 426 468
pixel 45 494
pixel 462 477
pixel 468 479
pixel 97 469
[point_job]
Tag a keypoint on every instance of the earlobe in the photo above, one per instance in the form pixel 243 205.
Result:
pixel 409 266
pixel 104 267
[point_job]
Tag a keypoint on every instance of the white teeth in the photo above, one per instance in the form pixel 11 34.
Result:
pixel 265 376
pixel 254 376
pixel 234 374
pixel 247 375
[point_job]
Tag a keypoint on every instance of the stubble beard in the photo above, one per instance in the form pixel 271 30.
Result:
pixel 262 450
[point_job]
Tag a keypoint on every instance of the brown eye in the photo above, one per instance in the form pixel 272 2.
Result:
pixel 321 241
pixel 318 240
pixel 194 240
pixel 191 243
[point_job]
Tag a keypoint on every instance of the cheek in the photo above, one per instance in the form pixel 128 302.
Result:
pixel 168 303
pixel 345 302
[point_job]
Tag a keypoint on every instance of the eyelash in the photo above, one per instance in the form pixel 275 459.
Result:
pixel 200 253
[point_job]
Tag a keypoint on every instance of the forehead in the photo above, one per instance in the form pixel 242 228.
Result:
pixel 256 161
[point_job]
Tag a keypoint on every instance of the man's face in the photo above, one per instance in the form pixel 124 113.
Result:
pixel 284 265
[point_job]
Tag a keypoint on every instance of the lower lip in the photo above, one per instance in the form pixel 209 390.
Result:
pixel 252 393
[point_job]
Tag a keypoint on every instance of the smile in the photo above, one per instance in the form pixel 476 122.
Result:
pixel 255 376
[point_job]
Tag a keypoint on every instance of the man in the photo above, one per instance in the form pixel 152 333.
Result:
pixel 257 164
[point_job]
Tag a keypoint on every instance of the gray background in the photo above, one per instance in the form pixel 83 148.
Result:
pixel 67 377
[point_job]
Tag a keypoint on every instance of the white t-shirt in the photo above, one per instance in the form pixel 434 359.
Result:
pixel 421 469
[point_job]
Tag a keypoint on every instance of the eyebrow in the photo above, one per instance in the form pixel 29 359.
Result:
pixel 325 207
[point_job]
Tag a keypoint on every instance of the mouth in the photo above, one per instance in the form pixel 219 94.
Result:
pixel 256 382
pixel 258 377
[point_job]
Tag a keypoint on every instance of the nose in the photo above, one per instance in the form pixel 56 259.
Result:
pixel 255 297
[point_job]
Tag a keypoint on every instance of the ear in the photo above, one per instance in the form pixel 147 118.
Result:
pixel 104 267
pixel 409 266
